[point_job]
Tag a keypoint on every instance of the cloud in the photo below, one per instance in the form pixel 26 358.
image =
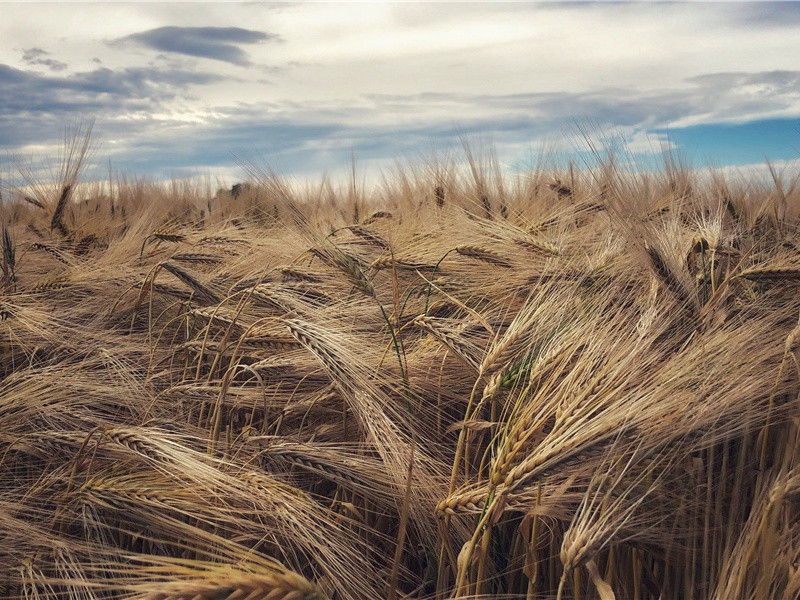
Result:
pixel 166 148
pixel 34 107
pixel 772 14
pixel 216 43
pixel 37 56
pixel 727 97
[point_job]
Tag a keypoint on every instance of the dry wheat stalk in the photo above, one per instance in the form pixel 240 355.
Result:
pixel 667 278
pixel 54 280
pixel 57 222
pixel 404 263
pixel 773 275
pixel 202 291
pixel 137 443
pixel 221 240
pixel 197 257
pixel 223 583
pixel 347 264
pixel 369 236
pixel 484 254
pixel 169 236
pixel 34 202
pixel 538 246
pixel 295 274
pixel 52 251
pixel 380 214
pixel 448 339
pixel 169 290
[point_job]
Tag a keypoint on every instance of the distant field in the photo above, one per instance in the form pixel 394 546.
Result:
pixel 458 384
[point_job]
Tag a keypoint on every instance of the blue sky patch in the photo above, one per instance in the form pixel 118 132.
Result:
pixel 738 143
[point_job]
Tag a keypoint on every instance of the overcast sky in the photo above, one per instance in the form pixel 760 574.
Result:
pixel 182 89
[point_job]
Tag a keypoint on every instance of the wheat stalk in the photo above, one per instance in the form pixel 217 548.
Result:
pixel 202 291
pixel 52 251
pixel 483 254
pixel 57 222
pixel 774 275
pixel 223 583
pixel 447 338
pixel 372 238
pixel 404 263
pixel 538 246
pixel 197 257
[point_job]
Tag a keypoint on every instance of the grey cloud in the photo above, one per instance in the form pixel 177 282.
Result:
pixel 217 43
pixel 37 56
pixel 777 80
pixel 716 96
pixel 161 148
pixel 34 107
pixel 767 14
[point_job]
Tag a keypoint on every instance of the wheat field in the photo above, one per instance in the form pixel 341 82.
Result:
pixel 459 383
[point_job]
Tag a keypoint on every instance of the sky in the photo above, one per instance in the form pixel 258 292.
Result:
pixel 184 89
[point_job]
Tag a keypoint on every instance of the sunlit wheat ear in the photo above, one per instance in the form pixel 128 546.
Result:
pixel 312 338
pixel 484 254
pixel 448 338
pixel 347 264
pixel 407 263
pixel 505 349
pixel 611 501
pixel 130 438
pixel 529 424
pixel 561 450
pixel 305 458
pixel 462 502
pixel 523 329
pixel 228 583
pixel 132 494
pixel 380 417
pixel 538 246
pixel 754 537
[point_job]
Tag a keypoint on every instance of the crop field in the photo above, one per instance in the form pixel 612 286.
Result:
pixel 456 383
